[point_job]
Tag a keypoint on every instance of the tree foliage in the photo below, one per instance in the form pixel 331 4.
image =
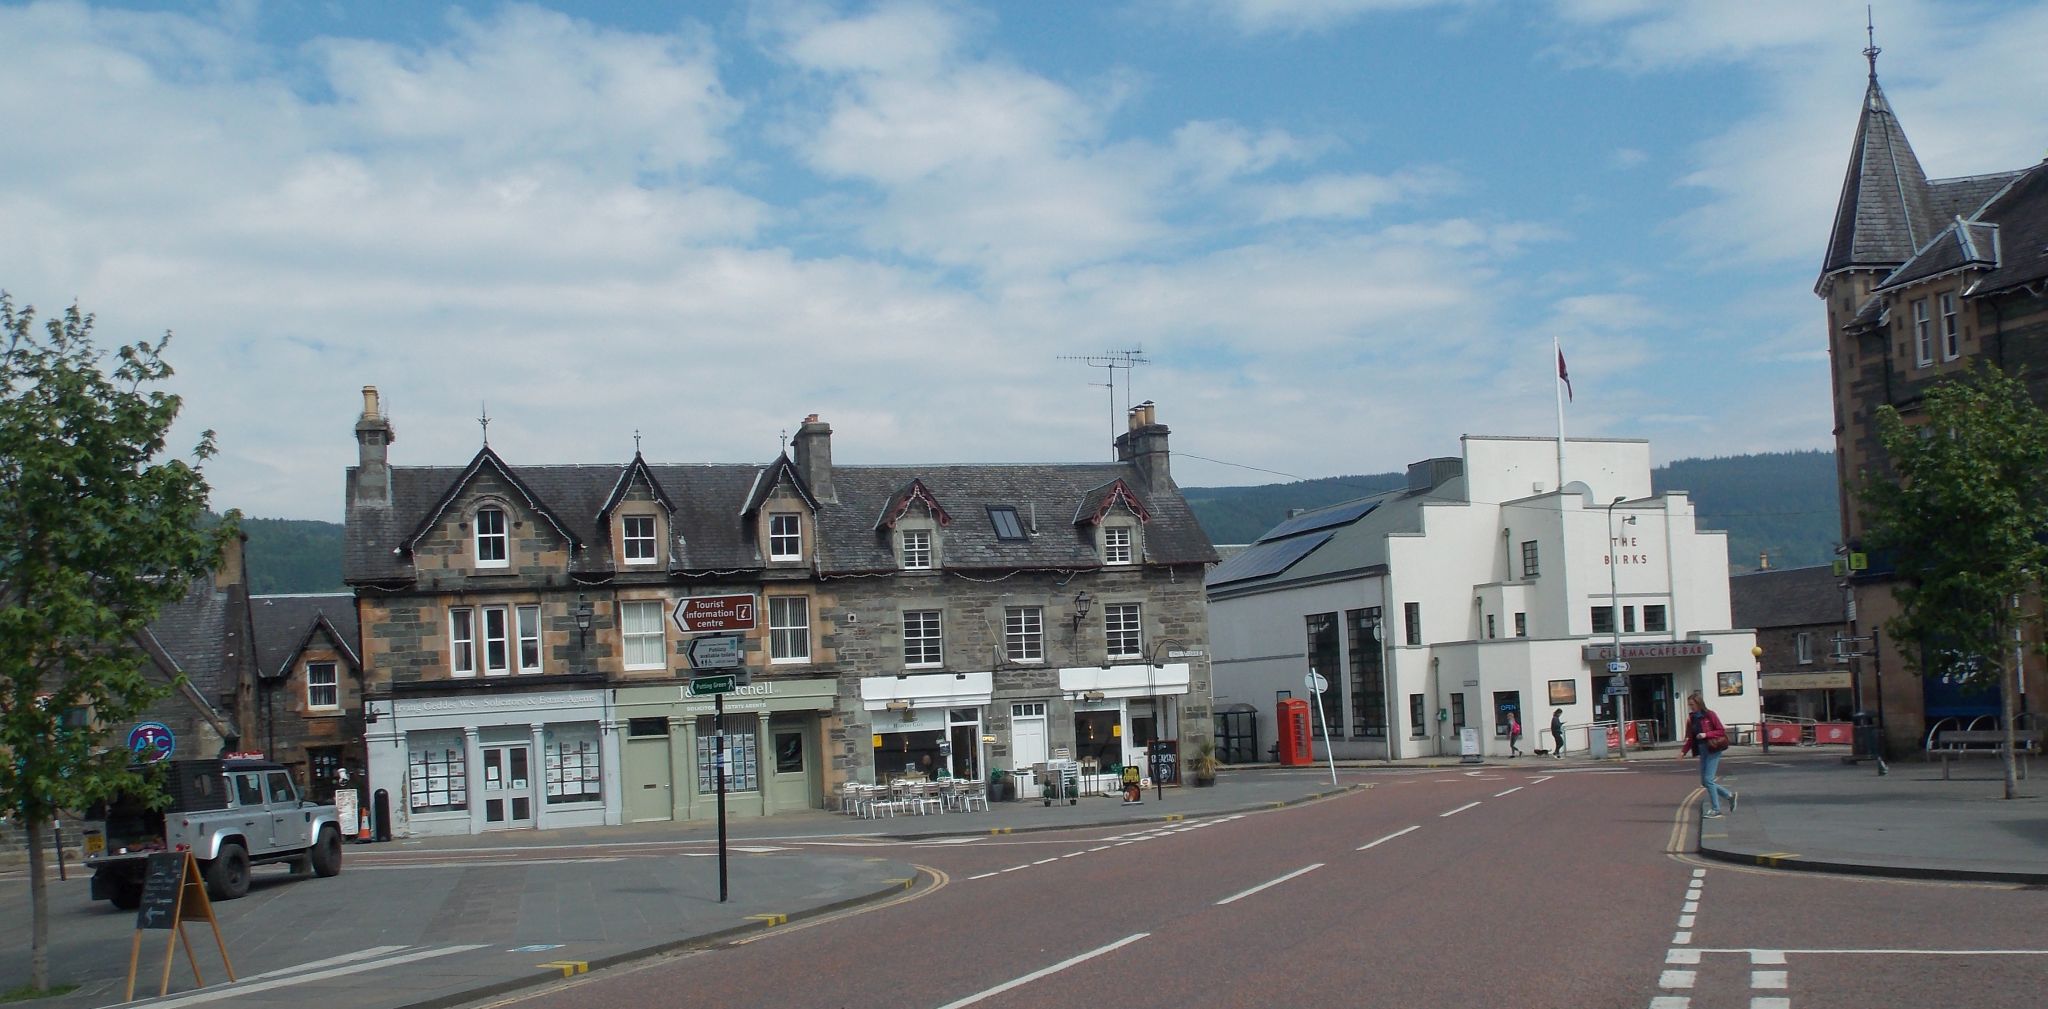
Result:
pixel 1962 514
pixel 98 531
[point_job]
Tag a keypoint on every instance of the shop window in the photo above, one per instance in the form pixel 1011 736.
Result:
pixel 323 771
pixel 437 776
pixel 742 759
pixel 1603 620
pixel 1656 618
pixel 574 768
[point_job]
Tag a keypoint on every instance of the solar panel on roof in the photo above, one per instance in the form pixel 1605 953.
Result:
pixel 1343 514
pixel 1264 559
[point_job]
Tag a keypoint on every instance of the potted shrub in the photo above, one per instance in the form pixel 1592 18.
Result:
pixel 1204 763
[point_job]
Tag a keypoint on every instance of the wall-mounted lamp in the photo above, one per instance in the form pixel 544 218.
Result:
pixel 1092 695
pixel 1082 602
pixel 583 615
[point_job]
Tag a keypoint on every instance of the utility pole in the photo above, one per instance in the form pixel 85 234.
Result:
pixel 1110 361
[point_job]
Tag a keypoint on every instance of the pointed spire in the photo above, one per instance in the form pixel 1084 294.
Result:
pixel 1870 51
pixel 1886 209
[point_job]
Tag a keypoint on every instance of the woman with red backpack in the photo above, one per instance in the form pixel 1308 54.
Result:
pixel 1705 733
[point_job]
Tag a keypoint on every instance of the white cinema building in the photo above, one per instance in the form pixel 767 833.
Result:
pixel 1499 590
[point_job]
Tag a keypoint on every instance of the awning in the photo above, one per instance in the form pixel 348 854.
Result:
pixel 1139 680
pixel 927 690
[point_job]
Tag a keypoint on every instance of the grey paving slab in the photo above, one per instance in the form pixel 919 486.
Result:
pixel 1812 811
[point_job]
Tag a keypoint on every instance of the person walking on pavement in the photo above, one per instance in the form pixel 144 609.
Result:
pixel 1514 734
pixel 1557 733
pixel 1705 733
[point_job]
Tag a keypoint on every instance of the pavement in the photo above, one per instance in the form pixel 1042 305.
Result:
pixel 1805 809
pixel 430 922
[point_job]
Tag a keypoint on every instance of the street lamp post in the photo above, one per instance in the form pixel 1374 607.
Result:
pixel 1614 625
pixel 1379 636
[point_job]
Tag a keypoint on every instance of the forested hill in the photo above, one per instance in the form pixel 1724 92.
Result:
pixel 1783 503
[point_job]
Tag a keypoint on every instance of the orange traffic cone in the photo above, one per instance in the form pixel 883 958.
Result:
pixel 363 827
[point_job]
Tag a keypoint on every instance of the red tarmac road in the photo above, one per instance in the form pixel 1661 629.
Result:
pixel 1505 886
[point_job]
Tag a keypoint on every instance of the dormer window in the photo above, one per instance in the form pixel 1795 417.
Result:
pixel 917 549
pixel 636 535
pixel 1116 544
pixel 493 546
pixel 785 537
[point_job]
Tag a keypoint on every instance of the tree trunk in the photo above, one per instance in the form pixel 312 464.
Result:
pixel 39 904
pixel 2005 711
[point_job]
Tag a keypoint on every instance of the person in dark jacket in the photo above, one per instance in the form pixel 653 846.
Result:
pixel 1557 733
pixel 1706 735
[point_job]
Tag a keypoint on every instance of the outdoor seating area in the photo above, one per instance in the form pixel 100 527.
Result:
pixel 909 796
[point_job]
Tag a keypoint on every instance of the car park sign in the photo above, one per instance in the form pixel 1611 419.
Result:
pixel 705 614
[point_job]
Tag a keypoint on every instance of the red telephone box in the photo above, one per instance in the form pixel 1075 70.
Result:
pixel 1295 749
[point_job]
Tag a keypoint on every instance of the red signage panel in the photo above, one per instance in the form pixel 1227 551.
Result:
pixel 703 614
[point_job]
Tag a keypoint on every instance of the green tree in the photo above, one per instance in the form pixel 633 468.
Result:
pixel 1963 512
pixel 98 530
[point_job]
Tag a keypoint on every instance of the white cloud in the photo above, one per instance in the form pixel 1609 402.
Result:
pixel 1349 196
pixel 1263 16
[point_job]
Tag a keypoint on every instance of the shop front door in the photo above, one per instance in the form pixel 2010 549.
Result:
pixel 789 787
pixel 650 788
pixel 508 786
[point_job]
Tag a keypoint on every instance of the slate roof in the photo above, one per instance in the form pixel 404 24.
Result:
pixel 193 632
pixel 710 530
pixel 1358 544
pixel 1787 597
pixel 1962 245
pixel 1887 209
pixel 2021 213
pixel 285 624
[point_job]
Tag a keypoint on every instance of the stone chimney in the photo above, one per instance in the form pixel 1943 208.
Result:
pixel 814 457
pixel 373 445
pixel 1144 446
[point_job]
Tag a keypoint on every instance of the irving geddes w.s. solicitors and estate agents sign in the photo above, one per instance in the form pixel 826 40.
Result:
pixel 1650 650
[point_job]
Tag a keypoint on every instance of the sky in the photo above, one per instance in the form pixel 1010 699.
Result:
pixel 1339 233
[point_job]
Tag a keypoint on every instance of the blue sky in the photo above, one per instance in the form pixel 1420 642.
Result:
pixel 1343 232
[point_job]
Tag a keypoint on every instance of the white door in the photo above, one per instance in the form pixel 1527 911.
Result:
pixel 1027 743
pixel 508 789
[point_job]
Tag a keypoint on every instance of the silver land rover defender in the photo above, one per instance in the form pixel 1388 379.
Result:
pixel 231 814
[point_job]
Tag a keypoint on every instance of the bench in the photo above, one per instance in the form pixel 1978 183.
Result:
pixel 1963 742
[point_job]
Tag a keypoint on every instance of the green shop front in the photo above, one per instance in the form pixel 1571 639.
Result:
pixel 668 745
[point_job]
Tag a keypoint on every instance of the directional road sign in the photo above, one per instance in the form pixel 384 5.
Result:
pixel 703 614
pixel 718 651
pixel 705 686
pixel 1617 666
pixel 1617 686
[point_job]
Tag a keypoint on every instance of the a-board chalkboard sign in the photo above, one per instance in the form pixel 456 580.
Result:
pixel 173 893
pixel 160 883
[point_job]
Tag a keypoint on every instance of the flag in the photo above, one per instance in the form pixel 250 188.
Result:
pixel 1563 375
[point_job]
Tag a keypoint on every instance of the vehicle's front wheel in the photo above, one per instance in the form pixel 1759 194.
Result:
pixel 327 853
pixel 227 876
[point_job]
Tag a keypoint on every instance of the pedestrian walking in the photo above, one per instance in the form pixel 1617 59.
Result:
pixel 1514 734
pixel 1706 735
pixel 1557 733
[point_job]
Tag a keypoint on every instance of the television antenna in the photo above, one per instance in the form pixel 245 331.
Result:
pixel 1110 361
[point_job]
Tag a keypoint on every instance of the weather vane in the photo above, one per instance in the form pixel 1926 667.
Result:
pixel 484 419
pixel 636 441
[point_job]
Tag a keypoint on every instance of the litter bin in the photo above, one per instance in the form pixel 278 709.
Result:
pixel 1596 740
pixel 1868 742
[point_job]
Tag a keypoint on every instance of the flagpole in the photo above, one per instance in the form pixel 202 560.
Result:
pixel 1557 387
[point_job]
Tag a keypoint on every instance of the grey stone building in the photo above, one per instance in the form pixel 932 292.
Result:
pixel 521 666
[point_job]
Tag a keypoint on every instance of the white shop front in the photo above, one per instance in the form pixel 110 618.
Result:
pixel 469 764
pixel 1119 710
pixel 927 723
